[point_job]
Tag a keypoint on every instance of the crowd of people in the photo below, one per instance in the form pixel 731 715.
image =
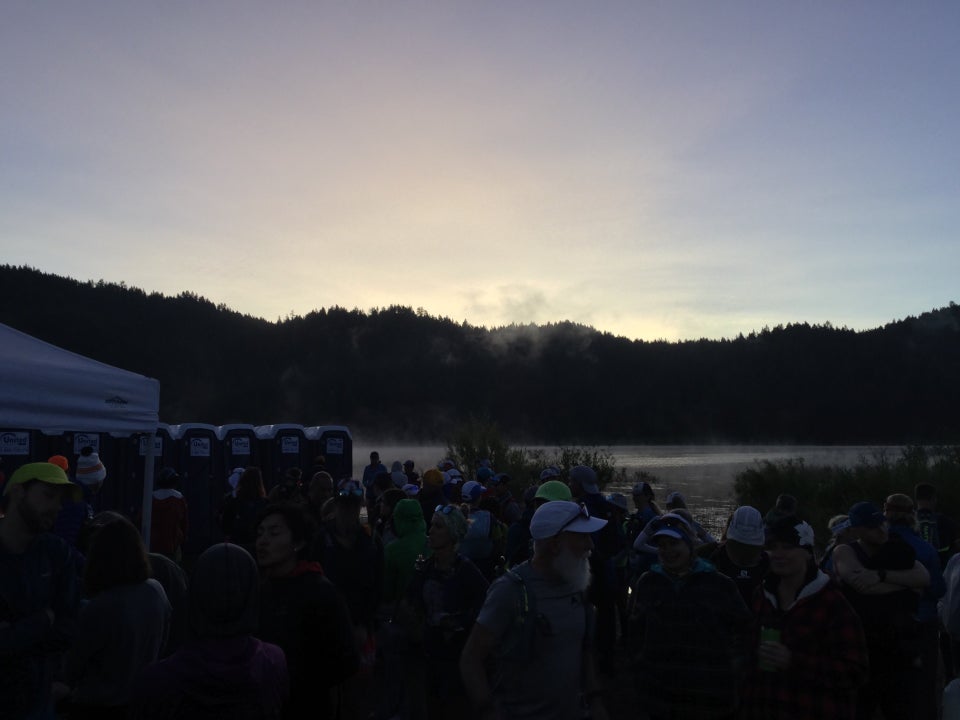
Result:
pixel 444 595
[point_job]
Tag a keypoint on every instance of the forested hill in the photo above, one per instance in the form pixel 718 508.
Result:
pixel 402 374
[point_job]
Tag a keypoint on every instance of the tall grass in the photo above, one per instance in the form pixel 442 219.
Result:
pixel 477 440
pixel 823 491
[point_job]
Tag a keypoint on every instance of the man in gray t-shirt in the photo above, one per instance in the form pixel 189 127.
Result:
pixel 537 627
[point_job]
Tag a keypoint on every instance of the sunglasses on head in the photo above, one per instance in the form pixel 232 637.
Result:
pixel 445 509
pixel 348 492
pixel 671 522
pixel 582 513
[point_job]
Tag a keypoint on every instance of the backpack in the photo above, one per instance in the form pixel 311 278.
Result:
pixel 520 641
pixel 927 527
pixel 478 544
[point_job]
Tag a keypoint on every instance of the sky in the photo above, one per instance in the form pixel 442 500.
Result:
pixel 657 170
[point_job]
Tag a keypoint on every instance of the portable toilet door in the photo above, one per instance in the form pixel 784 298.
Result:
pixel 283 446
pixel 111 451
pixel 239 446
pixel 335 444
pixel 202 482
pixel 164 455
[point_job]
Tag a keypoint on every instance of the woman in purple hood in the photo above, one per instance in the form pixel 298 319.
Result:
pixel 224 672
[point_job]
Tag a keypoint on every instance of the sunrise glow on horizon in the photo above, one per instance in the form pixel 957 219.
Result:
pixel 658 171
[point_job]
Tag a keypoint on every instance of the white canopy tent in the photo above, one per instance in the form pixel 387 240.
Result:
pixel 47 388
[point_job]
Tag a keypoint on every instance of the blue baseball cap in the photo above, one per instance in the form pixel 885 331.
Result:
pixel 866 514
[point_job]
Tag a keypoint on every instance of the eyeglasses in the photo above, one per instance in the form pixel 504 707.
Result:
pixel 582 513
pixel 348 492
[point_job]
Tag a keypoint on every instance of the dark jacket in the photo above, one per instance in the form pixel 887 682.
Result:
pixel 305 615
pixel 446 603
pixel 44 576
pixel 691 635
pixel 357 571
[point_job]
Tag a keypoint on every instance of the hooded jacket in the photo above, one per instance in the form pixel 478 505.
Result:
pixel 225 672
pixel 400 556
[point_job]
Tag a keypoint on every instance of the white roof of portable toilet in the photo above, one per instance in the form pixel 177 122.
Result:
pixel 268 432
pixel 315 432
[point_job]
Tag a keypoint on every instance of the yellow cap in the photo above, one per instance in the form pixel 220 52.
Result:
pixel 44 472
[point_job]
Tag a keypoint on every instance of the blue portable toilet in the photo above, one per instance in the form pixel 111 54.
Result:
pixel 239 446
pixel 335 444
pixel 202 482
pixel 19 446
pixel 164 455
pixel 112 451
pixel 283 446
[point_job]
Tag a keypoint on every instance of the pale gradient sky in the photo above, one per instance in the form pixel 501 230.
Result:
pixel 668 170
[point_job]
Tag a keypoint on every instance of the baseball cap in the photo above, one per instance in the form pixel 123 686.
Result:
pixel 472 490
pixel 676 498
pixel 618 500
pixel 553 490
pixel 587 477
pixel 549 473
pixel 866 514
pixel 484 474
pixel 746 526
pixel 44 472
pixel 553 518
pixel 452 477
pixel 674 526
pixel 643 488
pixel 838 524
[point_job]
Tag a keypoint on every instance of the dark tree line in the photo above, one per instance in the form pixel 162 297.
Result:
pixel 400 373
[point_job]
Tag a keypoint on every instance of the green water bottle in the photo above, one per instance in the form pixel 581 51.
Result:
pixel 768 635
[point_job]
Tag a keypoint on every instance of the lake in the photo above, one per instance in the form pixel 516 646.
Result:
pixel 703 473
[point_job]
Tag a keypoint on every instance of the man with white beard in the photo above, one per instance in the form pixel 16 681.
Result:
pixel 537 626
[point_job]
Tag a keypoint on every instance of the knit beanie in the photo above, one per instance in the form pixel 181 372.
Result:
pixel 791 530
pixel 60 461
pixel 433 478
pixel 90 471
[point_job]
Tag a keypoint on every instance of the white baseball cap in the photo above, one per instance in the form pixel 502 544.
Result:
pixel 746 526
pixel 557 516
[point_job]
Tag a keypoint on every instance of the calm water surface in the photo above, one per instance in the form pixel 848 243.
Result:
pixel 703 473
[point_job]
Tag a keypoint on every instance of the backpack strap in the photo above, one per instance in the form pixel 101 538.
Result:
pixel 519 638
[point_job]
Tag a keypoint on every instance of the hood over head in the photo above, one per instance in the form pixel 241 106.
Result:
pixel 225 593
pixel 408 518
